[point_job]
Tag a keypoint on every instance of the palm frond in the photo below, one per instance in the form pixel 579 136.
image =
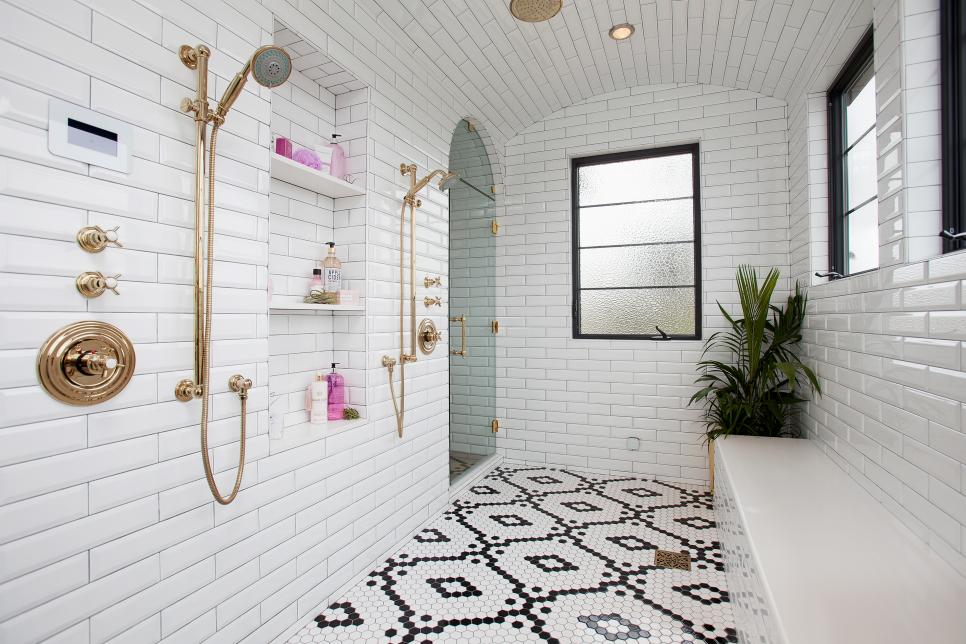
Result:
pixel 751 375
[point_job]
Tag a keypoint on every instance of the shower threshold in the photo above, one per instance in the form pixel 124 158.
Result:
pixel 462 462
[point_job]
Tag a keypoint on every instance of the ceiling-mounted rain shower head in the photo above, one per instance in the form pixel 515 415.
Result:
pixel 535 10
pixel 270 65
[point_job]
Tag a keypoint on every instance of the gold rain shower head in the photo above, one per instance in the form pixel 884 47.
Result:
pixel 535 10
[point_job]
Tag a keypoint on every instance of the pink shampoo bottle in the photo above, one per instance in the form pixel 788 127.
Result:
pixel 336 394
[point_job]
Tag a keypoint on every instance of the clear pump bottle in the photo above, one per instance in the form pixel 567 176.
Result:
pixel 332 271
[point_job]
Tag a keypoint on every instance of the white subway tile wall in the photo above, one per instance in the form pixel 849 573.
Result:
pixel 887 345
pixel 108 528
pixel 577 402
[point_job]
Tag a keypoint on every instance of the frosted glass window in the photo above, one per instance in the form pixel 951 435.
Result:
pixel 853 166
pixel 636 245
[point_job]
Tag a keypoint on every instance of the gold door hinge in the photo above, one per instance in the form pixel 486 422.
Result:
pixel 494 226
pixel 495 326
pixel 495 426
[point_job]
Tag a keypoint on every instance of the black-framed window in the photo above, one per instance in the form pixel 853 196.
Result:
pixel 953 18
pixel 853 169
pixel 637 244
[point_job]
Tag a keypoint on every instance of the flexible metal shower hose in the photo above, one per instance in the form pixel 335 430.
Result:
pixel 400 409
pixel 206 344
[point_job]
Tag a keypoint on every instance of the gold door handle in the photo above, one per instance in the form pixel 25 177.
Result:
pixel 462 352
pixel 94 239
pixel 93 284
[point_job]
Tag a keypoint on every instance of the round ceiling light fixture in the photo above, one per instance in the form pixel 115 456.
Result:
pixel 622 31
pixel 535 10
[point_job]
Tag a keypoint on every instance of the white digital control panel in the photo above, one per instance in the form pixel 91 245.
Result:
pixel 78 133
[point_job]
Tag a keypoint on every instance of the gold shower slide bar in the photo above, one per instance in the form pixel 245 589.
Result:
pixel 270 67
pixel 410 202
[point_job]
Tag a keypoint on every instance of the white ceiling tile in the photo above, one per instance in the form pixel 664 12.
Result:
pixel 518 73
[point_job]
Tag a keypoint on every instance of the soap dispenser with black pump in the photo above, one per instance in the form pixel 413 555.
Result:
pixel 336 392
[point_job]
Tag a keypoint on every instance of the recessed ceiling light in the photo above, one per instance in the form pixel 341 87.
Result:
pixel 622 31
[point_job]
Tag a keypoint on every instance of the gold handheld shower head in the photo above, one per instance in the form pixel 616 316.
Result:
pixel 270 65
pixel 446 180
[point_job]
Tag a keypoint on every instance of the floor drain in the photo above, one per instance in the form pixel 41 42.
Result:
pixel 669 559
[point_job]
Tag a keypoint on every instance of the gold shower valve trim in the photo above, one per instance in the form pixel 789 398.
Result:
pixel 86 363
pixel 432 301
pixel 430 282
pixel 93 284
pixel 94 239
pixel 428 336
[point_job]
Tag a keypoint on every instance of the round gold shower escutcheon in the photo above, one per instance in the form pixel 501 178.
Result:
pixel 86 363
pixel 535 10
pixel 428 336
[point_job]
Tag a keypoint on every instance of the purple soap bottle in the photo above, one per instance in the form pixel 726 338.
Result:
pixel 336 394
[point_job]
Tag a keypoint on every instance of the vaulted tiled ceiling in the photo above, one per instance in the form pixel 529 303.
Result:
pixel 520 72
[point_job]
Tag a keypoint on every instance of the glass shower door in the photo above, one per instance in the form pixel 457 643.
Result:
pixel 472 303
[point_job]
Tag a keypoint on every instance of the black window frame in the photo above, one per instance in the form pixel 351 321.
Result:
pixel 575 164
pixel 953 79
pixel 862 55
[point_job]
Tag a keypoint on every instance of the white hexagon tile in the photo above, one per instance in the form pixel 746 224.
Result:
pixel 534 554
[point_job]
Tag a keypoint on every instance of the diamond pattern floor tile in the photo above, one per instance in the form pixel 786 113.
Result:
pixel 535 554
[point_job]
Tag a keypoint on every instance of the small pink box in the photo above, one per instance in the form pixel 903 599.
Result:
pixel 283 147
pixel 348 296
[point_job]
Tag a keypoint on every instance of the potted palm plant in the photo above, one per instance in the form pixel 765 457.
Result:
pixel 751 376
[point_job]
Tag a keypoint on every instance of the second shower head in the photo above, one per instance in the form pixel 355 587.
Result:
pixel 269 65
pixel 448 180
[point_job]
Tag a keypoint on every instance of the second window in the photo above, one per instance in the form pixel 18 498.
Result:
pixel 853 174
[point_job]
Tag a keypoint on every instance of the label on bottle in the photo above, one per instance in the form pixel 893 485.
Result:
pixel 325 154
pixel 332 279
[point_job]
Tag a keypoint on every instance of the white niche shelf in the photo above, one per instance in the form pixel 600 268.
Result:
pixel 302 306
pixel 304 433
pixel 284 169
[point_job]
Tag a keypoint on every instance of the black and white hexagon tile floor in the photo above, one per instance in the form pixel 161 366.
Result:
pixel 533 554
